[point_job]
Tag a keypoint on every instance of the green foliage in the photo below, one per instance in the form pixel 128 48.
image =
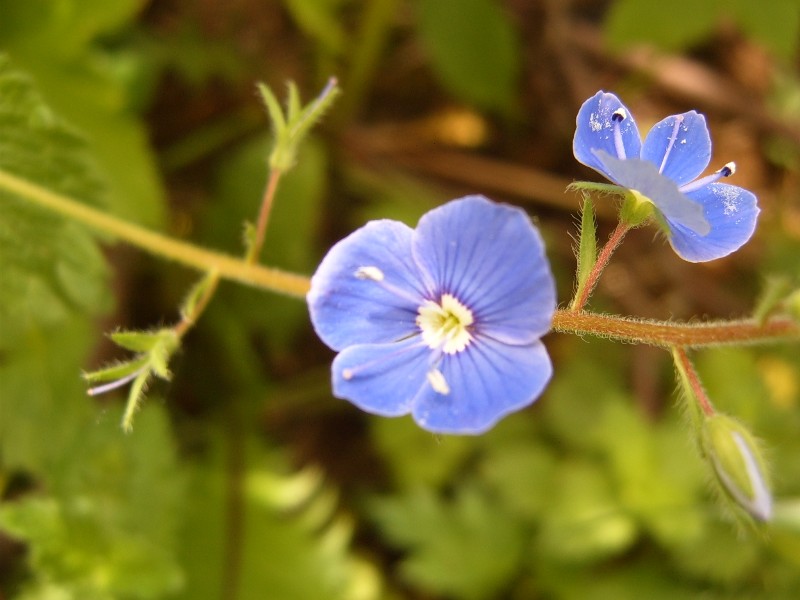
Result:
pixel 473 48
pixel 679 24
pixel 467 547
pixel 56 43
pixel 294 223
pixel 107 527
pixel 51 268
pixel 292 543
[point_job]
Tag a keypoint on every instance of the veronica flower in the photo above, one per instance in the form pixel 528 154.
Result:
pixel 443 321
pixel 703 219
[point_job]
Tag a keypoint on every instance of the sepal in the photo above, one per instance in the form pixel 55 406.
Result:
pixel 587 246
pixel 154 350
pixel 291 126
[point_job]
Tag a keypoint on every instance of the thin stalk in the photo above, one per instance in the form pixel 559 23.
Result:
pixel 263 216
pixel 666 334
pixel 614 240
pixel 693 379
pixel 160 245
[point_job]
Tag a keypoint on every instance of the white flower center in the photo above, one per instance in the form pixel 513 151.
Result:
pixel 445 324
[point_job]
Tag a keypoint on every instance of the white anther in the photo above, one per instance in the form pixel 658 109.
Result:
pixel 438 382
pixel 372 273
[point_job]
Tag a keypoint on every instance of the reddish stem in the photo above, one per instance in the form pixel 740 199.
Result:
pixel 614 240
pixel 694 381
pixel 263 215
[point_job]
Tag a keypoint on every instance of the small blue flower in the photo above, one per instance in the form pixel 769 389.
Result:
pixel 443 321
pixel 703 219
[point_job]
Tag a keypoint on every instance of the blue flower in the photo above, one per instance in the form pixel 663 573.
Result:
pixel 703 219
pixel 443 321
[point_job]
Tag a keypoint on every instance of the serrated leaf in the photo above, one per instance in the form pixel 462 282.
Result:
pixel 51 268
pixel 58 48
pixel 466 548
pixel 281 557
pixel 473 48
pixel 113 509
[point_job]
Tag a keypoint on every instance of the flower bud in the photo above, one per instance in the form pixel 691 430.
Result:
pixel 738 465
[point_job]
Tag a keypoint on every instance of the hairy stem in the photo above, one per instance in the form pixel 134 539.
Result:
pixel 614 240
pixel 693 379
pixel 163 246
pixel 667 334
pixel 578 322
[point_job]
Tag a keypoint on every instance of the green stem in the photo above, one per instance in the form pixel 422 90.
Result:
pixel 192 256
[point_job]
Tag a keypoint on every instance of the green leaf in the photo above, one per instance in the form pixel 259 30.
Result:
pixel 673 26
pixel 464 548
pixel 584 520
pixel 473 48
pixel 282 554
pixel 51 268
pixel 55 42
pixel 679 24
pixel 321 20
pixel 417 457
pixel 108 529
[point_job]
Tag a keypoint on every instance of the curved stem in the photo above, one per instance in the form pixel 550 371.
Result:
pixel 667 334
pixel 687 369
pixel 655 333
pixel 190 255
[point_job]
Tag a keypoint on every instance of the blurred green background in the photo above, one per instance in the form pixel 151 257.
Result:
pixel 243 478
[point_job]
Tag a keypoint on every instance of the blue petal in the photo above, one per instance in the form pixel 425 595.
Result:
pixel 643 176
pixel 487 381
pixel 385 378
pixel 347 310
pixel 491 258
pixel 732 213
pixel 595 131
pixel 679 146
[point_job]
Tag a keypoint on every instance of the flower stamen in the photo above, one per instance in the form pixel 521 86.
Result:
pixel 438 382
pixel 617 118
pixel 445 324
pixel 726 171
pixel 373 273
pixel 672 138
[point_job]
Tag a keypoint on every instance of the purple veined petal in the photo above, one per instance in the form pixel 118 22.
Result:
pixel 680 146
pixel 487 381
pixel 732 212
pixel 643 176
pixel 346 309
pixel 491 258
pixel 382 379
pixel 595 131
